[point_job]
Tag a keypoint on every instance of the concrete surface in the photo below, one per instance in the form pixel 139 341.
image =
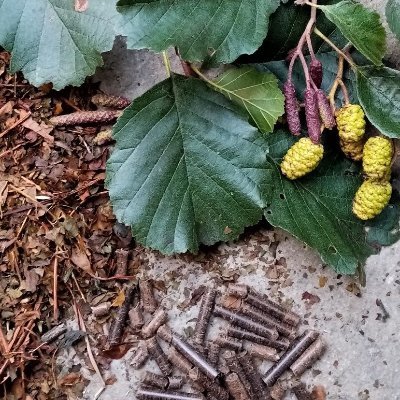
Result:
pixel 363 358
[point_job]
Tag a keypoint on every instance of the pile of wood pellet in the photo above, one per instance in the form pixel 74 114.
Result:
pixel 225 367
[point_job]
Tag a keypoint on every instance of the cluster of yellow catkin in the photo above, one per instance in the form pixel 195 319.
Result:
pixel 376 153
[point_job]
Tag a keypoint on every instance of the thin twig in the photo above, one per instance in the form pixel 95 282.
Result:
pixel 167 64
pixel 55 288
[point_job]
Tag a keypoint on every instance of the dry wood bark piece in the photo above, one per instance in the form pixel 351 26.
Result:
pixel 159 356
pixel 194 357
pixel 121 261
pixel 159 318
pixel 153 394
pixel 120 321
pixel 290 356
pixel 309 357
pixel 147 298
pixel 236 387
pixel 136 317
pixel 203 319
pixel 279 344
pixel 140 356
pixel 245 323
pixel 54 333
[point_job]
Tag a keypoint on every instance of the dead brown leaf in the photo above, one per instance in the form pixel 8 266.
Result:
pixel 81 260
pixel 41 129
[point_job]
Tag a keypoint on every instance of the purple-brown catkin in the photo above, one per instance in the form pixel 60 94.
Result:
pixel 292 108
pixel 316 72
pixel 312 115
pixel 325 110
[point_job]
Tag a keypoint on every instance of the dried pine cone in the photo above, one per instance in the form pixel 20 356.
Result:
pixel 302 158
pixel 371 198
pixel 351 123
pixel 292 108
pixel 377 158
pixel 325 110
pixel 316 72
pixel 312 115
pixel 353 150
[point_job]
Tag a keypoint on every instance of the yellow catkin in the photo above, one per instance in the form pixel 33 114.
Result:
pixel 302 158
pixel 377 158
pixel 371 198
pixel 353 150
pixel 350 121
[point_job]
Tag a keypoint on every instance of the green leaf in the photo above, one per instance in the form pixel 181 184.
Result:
pixel 379 94
pixel 329 63
pixel 287 24
pixel 318 208
pixel 50 42
pixel 393 16
pixel 224 28
pixel 256 92
pixel 384 230
pixel 361 26
pixel 185 169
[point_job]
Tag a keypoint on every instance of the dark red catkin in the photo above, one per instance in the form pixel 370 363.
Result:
pixel 325 110
pixel 316 72
pixel 312 115
pixel 292 108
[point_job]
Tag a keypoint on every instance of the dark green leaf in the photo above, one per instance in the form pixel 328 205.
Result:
pixel 185 169
pixel 379 94
pixel 361 26
pixel 318 209
pixel 224 28
pixel 393 16
pixel 50 42
pixel 384 230
pixel 256 92
pixel 287 25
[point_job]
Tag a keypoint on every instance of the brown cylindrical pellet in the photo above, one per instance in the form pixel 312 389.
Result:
pixel 229 343
pixel 237 290
pixel 261 351
pixel 165 333
pixel 277 391
pixel 246 323
pixel 257 315
pixel 175 382
pixel 203 319
pixel 136 317
pixel 159 318
pixel 140 356
pixel 159 356
pixel 158 381
pixel 152 394
pixel 230 302
pixel 280 344
pixel 102 309
pixel 210 385
pixel 194 357
pixel 234 365
pixel 235 387
pixel 147 298
pixel 178 360
pixel 291 355
pixel 214 350
pixel 272 308
pixel 121 261
pixel 252 374
pixel 301 392
pixel 308 358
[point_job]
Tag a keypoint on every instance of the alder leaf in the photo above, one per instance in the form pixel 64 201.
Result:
pixel 379 94
pixel 361 26
pixel 200 28
pixel 185 169
pixel 51 42
pixel 393 16
pixel 318 208
pixel 256 92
